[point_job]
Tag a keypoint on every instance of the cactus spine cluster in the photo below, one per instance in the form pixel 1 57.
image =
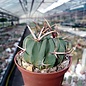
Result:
pixel 45 50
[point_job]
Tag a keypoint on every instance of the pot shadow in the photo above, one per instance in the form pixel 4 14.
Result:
pixel 17 79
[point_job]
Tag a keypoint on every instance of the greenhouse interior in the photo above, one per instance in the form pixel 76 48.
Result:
pixel 64 19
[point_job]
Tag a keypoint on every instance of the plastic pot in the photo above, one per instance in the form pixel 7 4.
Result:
pixel 40 79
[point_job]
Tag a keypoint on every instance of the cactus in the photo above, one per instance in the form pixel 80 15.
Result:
pixel 45 50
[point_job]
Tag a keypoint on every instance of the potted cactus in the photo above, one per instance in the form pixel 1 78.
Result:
pixel 44 58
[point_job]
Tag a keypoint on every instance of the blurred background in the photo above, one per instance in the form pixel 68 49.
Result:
pixel 70 19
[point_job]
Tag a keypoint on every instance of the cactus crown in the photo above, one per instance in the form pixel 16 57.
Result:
pixel 45 50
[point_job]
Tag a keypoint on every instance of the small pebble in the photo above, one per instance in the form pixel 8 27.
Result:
pixel 36 70
pixel 53 69
pixel 44 71
pixel 8 50
pixel 29 68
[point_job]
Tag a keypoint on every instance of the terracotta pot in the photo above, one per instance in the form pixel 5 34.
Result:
pixel 39 79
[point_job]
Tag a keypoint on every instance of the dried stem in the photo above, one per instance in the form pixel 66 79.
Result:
pixel 40 32
pixel 45 30
pixel 21 48
pixel 53 25
pixel 44 64
pixel 58 52
pixel 68 52
pixel 37 25
pixel 46 34
pixel 65 37
pixel 48 24
pixel 71 50
pixel 31 32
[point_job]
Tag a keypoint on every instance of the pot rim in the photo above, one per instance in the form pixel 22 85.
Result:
pixel 59 71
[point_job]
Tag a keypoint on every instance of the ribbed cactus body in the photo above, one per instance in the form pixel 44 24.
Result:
pixel 39 53
pixel 61 47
